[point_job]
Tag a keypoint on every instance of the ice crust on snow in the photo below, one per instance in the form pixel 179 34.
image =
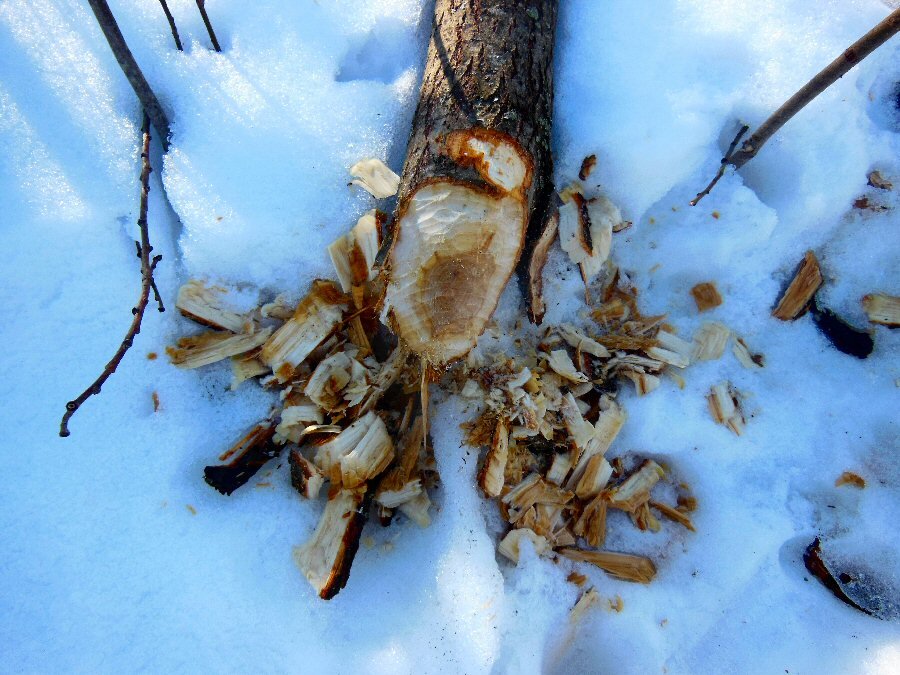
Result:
pixel 104 566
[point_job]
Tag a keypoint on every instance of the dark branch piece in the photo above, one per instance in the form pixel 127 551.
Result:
pixel 132 71
pixel 201 5
pixel 148 265
pixel 244 459
pixel 835 70
pixel 171 19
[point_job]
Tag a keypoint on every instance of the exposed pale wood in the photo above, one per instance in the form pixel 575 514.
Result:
pixel 477 171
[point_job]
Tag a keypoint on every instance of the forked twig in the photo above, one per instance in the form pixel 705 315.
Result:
pixel 148 265
pixel 859 50
pixel 725 161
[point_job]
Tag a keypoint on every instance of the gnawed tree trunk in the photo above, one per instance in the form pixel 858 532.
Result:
pixel 477 178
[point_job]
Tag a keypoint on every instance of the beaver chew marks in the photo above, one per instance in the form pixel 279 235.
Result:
pixel 456 247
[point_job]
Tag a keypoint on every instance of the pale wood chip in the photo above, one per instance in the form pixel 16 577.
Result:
pixel 375 177
pixel 208 348
pixel 635 490
pixel 882 309
pixel 710 341
pixel 622 566
pixel 510 545
pixel 672 513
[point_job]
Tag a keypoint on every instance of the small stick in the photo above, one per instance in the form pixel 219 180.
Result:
pixel 165 7
pixel 423 393
pixel 201 5
pixel 725 160
pixel 147 266
pixel 859 50
pixel 132 71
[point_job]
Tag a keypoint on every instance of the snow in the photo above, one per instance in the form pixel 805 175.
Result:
pixel 104 566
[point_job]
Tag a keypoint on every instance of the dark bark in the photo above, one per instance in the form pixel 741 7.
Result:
pixel 132 71
pixel 490 66
pixel 201 5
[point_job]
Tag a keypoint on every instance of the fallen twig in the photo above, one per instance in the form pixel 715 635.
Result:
pixel 171 19
pixel 201 5
pixel 859 50
pixel 148 265
pixel 132 71
pixel 726 160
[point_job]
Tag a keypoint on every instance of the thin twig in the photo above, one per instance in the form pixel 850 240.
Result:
pixel 725 161
pixel 201 5
pixel 148 265
pixel 171 19
pixel 859 50
pixel 132 71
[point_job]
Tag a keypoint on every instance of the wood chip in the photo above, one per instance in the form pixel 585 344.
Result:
pixel 710 341
pixel 671 349
pixel 745 357
pixel 325 559
pixel 587 166
pixel 801 290
pixel 882 309
pixel 590 598
pixel 876 180
pixel 561 363
pixel 725 408
pixel 644 383
pixel 491 476
pixel 851 479
pixel 672 513
pixel 622 566
pixel 635 490
pixel 510 545
pixel 317 315
pixel 305 476
pixel 208 348
pixel 375 177
pixel 416 509
pixel 706 295
pixel 582 342
pixel 207 305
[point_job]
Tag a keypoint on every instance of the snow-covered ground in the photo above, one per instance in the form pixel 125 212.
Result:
pixel 116 556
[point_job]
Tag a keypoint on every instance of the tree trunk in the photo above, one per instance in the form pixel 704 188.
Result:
pixel 477 178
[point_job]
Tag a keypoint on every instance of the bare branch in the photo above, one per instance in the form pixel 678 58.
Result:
pixel 148 265
pixel 132 71
pixel 859 50
pixel 171 19
pixel 725 160
pixel 201 5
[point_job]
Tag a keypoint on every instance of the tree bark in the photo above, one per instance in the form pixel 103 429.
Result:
pixel 478 173
pixel 132 71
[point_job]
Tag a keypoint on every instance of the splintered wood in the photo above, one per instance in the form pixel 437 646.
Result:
pixel 548 422
pixel 348 419
pixel 352 412
pixel 801 290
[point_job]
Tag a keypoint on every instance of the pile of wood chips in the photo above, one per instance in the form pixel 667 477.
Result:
pixel 354 404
